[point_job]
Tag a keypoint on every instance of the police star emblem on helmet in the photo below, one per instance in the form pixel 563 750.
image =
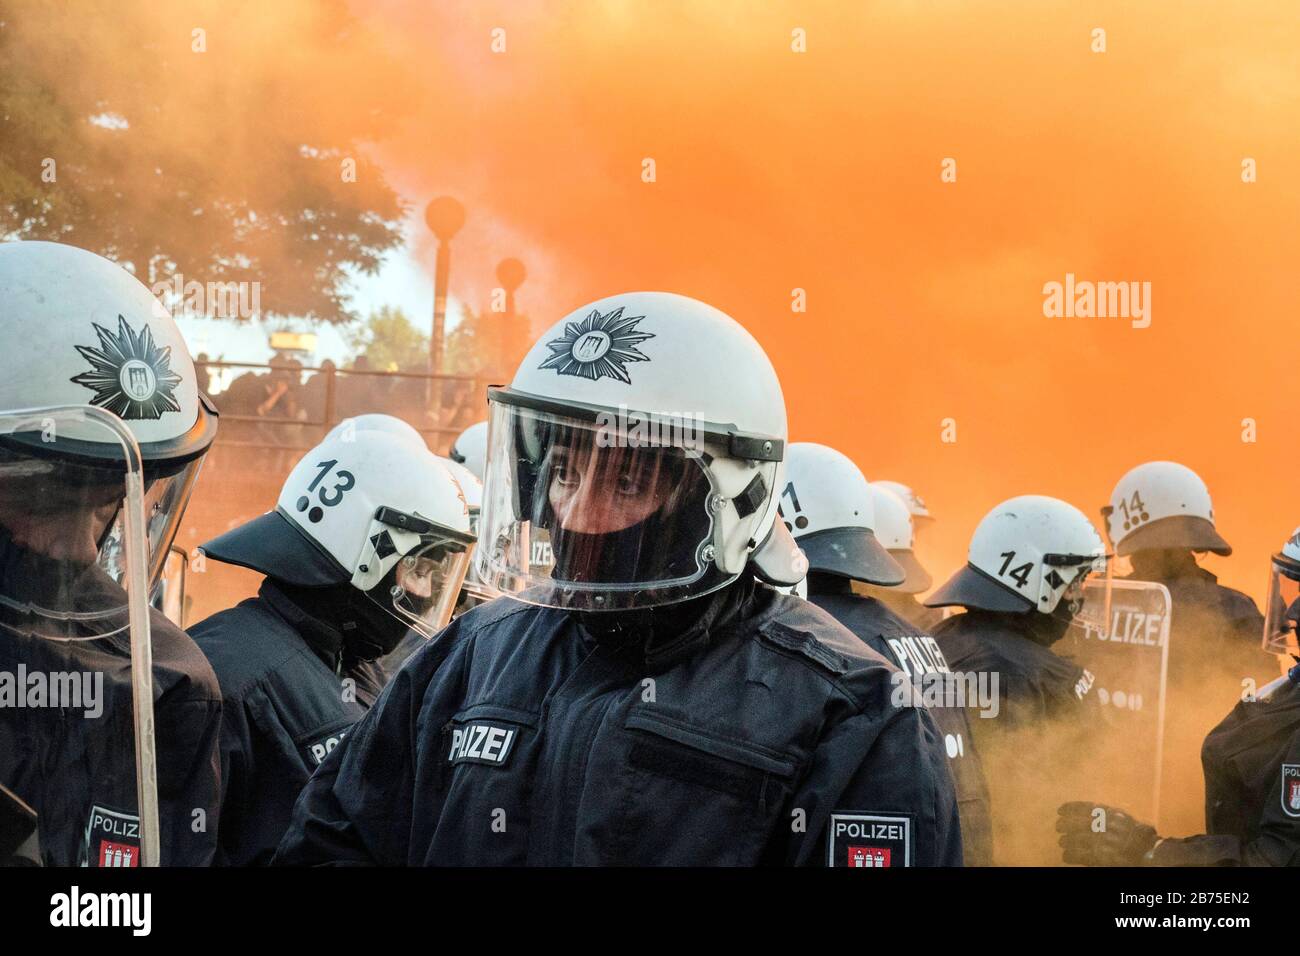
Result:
pixel 130 375
pixel 598 347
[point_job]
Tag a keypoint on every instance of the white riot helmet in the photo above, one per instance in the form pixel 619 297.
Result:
pixel 376 422
pixel 826 504
pixel 915 506
pixel 894 531
pixel 87 333
pixel 471 486
pixel 1162 504
pixel 1030 553
pixel 799 590
pixel 1282 610
pixel 470 448
pixel 377 512
pixel 635 460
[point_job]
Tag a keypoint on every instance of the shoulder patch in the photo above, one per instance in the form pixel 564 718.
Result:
pixel 112 838
pixel 803 643
pixel 869 840
pixel 315 750
pixel 1291 789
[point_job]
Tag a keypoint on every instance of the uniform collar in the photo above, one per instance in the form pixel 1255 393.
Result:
pixel 654 639
pixel 325 640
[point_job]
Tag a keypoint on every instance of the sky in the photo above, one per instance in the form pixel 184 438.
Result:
pixel 778 170
pixel 402 281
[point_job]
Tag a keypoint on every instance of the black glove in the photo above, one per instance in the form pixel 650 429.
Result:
pixel 1123 841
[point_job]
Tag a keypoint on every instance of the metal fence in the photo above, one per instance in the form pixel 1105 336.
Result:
pixel 285 406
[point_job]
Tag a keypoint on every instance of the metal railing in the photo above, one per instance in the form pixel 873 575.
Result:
pixel 289 407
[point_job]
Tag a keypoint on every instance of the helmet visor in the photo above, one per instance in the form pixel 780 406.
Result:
pixel 585 515
pixel 1087 591
pixel 63 566
pixel 165 497
pixel 422 587
pixel 1282 609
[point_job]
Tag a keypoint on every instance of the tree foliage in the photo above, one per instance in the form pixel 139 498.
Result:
pixel 390 342
pixel 219 140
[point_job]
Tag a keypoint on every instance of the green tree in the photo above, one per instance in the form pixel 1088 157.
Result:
pixel 221 141
pixel 390 342
pixel 467 349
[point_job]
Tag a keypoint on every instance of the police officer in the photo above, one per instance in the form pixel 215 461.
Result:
pixel 645 700
pixel 96 339
pixel 1160 517
pixel 473 592
pixel 916 506
pixel 1252 772
pixel 1022 587
pixel 895 530
pixel 832 512
pixel 369 540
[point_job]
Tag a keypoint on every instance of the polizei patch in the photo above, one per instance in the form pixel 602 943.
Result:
pixel 315 751
pixel 1291 789
pixel 479 742
pixel 112 838
pixel 870 840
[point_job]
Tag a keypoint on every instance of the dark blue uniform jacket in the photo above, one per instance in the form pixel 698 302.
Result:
pixel 763 733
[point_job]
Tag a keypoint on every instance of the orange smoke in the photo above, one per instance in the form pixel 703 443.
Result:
pixel 820 171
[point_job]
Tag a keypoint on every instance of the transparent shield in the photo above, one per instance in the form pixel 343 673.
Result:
pixel 1127 657
pixel 78 746
pixel 581 515
pixel 1281 612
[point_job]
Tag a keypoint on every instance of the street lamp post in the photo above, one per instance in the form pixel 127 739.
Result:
pixel 511 274
pixel 444 217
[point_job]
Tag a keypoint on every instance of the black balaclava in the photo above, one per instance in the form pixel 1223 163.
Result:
pixel 654 637
pixel 56 584
pixel 819 582
pixel 346 624
pixel 1046 629
pixel 638 552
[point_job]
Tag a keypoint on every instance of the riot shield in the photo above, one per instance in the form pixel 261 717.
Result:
pixel 76 683
pixel 1128 660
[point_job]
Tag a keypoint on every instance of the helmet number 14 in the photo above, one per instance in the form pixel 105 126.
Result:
pixel 1135 512
pixel 1020 575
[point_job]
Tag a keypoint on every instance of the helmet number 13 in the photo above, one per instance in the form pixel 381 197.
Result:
pixel 330 497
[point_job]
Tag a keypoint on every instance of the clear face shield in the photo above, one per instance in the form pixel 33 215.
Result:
pixel 599 515
pixel 1282 610
pixel 67 476
pixel 1086 597
pixel 420 588
pixel 166 495
pixel 62 522
pixel 473 591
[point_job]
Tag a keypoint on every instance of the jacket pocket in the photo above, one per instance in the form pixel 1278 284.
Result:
pixel 673 748
pixel 687 796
